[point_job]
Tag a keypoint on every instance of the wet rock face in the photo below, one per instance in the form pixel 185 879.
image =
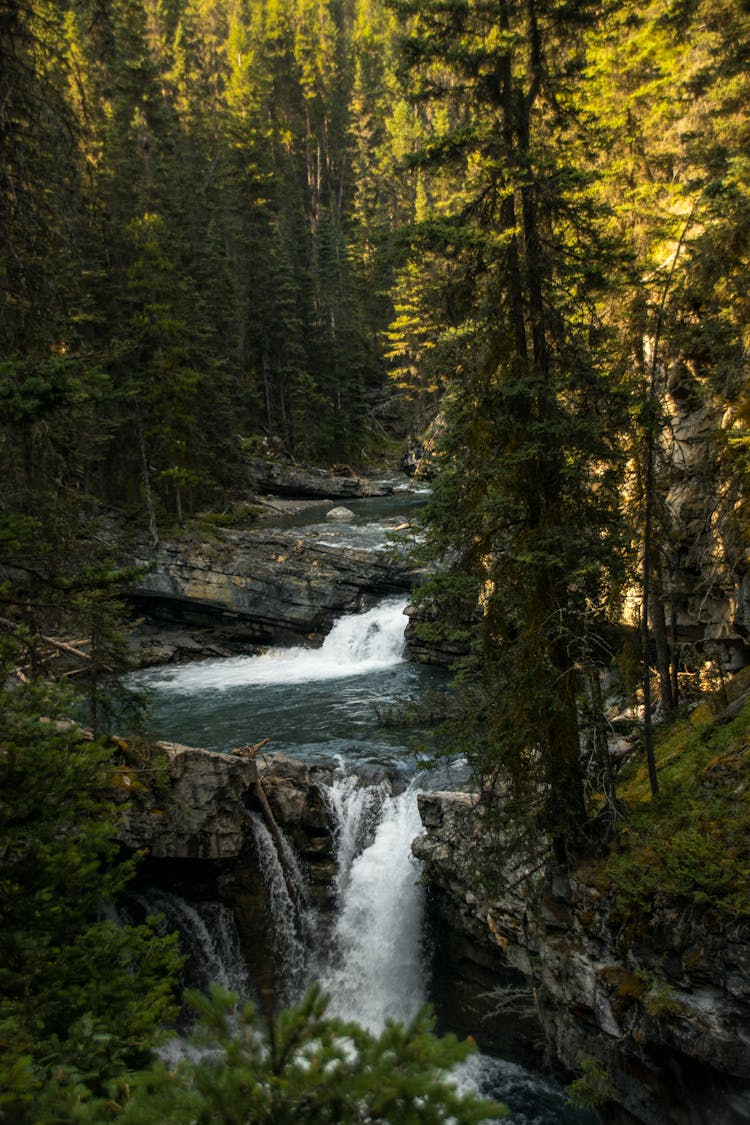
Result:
pixel 482 980
pixel 262 586
pixel 661 1001
pixel 196 809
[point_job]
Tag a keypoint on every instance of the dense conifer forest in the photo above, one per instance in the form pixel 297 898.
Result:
pixel 315 230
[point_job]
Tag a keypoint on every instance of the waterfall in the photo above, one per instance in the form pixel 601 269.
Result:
pixel 368 955
pixel 358 643
pixel 208 938
pixel 354 809
pixel 288 910
pixel 375 970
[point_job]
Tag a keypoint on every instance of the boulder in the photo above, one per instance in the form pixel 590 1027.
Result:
pixel 340 514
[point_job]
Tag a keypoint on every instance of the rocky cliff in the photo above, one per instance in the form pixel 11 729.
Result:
pixel 257 587
pixel 191 813
pixel 702 540
pixel 661 1004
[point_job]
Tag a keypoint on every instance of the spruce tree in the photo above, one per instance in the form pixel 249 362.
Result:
pixel 302 1065
pixel 526 496
pixel 77 990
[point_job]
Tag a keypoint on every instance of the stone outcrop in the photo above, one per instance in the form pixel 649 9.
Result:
pixel 192 805
pixel 428 640
pixel 191 811
pixel 282 478
pixel 662 1004
pixel 261 586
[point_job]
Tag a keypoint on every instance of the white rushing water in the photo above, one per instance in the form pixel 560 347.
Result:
pixel 208 938
pixel 288 909
pixel 358 644
pixel 354 810
pixel 375 969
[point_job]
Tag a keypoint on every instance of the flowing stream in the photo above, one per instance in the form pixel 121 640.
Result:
pixel 317 704
pixel 328 705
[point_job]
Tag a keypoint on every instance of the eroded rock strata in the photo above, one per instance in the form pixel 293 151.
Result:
pixel 256 587
pixel 660 1002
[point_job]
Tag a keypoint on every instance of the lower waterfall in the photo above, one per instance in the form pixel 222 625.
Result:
pixel 376 968
pixel 208 938
pixel 288 910
pixel 325 706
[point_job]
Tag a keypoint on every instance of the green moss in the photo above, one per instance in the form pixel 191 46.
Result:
pixel 693 842
pixel 693 959
pixel 593 1088
pixel 660 1001
pixel 626 987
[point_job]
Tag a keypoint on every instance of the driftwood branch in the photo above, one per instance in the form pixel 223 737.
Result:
pixel 278 842
pixel 249 752
pixel 62 646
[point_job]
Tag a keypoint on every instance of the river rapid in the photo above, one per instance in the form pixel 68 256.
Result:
pixel 334 705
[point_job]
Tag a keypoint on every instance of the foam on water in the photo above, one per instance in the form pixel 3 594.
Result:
pixel 358 643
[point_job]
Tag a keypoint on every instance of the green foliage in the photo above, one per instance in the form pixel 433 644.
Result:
pixel 693 844
pixel 76 989
pixel 525 502
pixel 593 1088
pixel 304 1065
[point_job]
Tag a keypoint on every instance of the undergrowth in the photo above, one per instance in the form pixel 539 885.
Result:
pixel 692 843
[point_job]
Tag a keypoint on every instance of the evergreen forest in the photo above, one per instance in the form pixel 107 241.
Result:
pixel 514 232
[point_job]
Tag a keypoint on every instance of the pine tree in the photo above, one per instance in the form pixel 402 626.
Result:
pixel 304 1065
pixel 526 496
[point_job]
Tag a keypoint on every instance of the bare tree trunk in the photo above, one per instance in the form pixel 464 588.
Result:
pixel 663 655
pixel 148 495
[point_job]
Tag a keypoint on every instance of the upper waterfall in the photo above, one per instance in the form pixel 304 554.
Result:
pixel 357 644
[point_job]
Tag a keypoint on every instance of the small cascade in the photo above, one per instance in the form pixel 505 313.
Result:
pixel 377 970
pixel 358 643
pixel 288 910
pixel 208 938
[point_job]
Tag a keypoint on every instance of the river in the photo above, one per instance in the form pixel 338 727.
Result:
pixel 334 705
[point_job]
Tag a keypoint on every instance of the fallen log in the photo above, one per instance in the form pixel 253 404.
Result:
pixel 62 646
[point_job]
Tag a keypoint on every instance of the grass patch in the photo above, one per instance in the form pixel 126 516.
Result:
pixel 692 843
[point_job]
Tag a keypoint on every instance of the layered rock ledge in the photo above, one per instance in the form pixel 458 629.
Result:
pixel 259 587
pixel 661 1003
pixel 282 478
